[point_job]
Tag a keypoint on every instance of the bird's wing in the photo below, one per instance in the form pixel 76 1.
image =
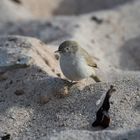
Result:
pixel 88 58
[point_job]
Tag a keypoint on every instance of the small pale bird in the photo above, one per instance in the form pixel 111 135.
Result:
pixel 75 62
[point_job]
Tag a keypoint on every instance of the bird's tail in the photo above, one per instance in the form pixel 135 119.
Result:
pixel 96 78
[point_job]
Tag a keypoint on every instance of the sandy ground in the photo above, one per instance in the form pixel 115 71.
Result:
pixel 37 102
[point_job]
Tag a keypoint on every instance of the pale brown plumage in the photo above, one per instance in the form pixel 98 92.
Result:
pixel 88 58
pixel 75 62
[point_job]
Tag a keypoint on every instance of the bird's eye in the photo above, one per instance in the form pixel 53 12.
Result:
pixel 67 49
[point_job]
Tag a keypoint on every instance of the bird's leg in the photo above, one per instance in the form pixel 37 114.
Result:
pixel 96 78
pixel 73 82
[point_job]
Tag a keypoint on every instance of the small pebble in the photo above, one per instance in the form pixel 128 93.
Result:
pixel 44 99
pixel 19 92
pixel 63 92
pixel 97 20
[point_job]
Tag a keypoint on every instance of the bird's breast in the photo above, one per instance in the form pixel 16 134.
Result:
pixel 75 68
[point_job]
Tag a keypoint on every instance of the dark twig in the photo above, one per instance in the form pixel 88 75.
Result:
pixel 102 115
pixel 97 20
pixel 6 137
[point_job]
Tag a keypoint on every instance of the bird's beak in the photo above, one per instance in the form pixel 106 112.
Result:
pixel 56 51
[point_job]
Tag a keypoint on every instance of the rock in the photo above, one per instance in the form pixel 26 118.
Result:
pixel 112 45
pixel 21 52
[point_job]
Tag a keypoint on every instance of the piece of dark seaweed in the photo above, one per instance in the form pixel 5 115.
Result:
pixel 102 115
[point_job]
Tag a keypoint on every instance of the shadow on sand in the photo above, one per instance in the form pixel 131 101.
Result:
pixel 77 7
